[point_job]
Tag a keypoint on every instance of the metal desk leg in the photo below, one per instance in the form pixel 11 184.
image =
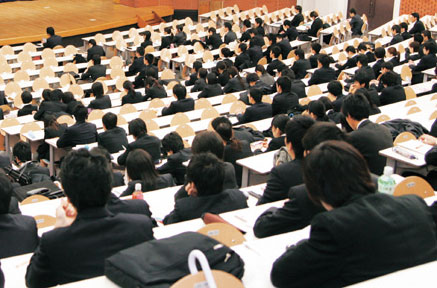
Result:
pixel 52 161
pixel 7 144
pixel 245 177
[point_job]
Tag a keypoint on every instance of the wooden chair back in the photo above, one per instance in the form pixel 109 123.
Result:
pixel 179 118
pixel 116 62
pixel 31 126
pixel 406 73
pixel 65 119
pixel 229 98
pixel 43 221
pixel 267 99
pixel 237 107
pixel 414 185
pixel 156 103
pixel 21 76
pixel 404 137
pixel 224 233
pixel 28 65
pixel 76 90
pixel 34 199
pixel 314 90
pixel 71 67
pixel 171 85
pixel 263 61
pixel 147 114
pixel 40 84
pixel 29 47
pixel 202 103
pixel 413 110
pixel 409 92
pixel 151 125
pixel 95 115
pixel 167 74
pixel 209 113
pixel 382 118
pixel 12 89
pixel 185 130
pixel 121 120
pixel 46 72
pixel 127 108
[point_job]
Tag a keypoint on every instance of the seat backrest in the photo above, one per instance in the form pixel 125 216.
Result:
pixel 65 119
pixel 34 199
pixel 151 125
pixel 147 114
pixel 404 137
pixel 171 85
pixel 116 62
pixel 185 130
pixel 413 110
pixel 12 89
pixel 314 90
pixel 40 84
pixel 121 120
pixel 209 113
pixel 382 118
pixel 21 75
pixel 414 185
pixel 237 107
pixel 127 108
pixel 43 221
pixel 71 67
pixel 179 118
pixel 202 103
pixel 46 72
pixel 224 233
pixel 96 114
pixel 167 74
pixel 229 98
pixel 156 103
pixel 76 90
pixel 406 75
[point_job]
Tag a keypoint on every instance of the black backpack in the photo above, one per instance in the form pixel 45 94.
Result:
pixel 160 263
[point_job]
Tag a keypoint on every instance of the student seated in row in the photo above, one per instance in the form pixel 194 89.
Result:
pixel 96 71
pixel 28 108
pixel 113 138
pixel 278 131
pixel 182 104
pixel 131 96
pixel 154 89
pixel 102 101
pixel 258 110
pixel 212 87
pixel 205 175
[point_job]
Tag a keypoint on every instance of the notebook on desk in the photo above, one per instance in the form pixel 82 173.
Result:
pixel 416 146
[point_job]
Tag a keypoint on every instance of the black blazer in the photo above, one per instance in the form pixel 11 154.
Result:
pixel 210 91
pixel 103 102
pixel 322 75
pixel 274 65
pixel 54 107
pixel 300 68
pixel 231 155
pixel 359 241
pixel 166 42
pixel 199 85
pixel 146 43
pixel 297 19
pixel 245 36
pixel 313 60
pixel 175 166
pixel 285 48
pixel 79 133
pixel 223 78
pixel 180 38
pixel 54 263
pixel 396 39
pixel 131 206
pixel 317 24
pixel 298 87
pixel 280 180
pixel 234 85
pixel 257 111
pixel 155 92
pixel 406 35
pixel 183 105
pixel 136 66
pixel 18 235
pixel 193 207
pixel 132 98
pixel 377 67
pixel 71 106
pixel 296 214
pixel 52 133
pixel 163 181
pixel 95 50
pixel 417 28
pixel 356 24
pixel 113 139
pixel 351 62
pixel 53 41
pixel 230 37
pixel 255 53
pixel 214 41
pixel 369 139
pixel 2 278
pixel 192 80
pixel 276 143
pixel 149 143
pixel 242 61
pixel 260 30
pixel 291 33
pixel 392 94
pixel 283 102
pixel 27 110
pixel 427 61
pixel 94 72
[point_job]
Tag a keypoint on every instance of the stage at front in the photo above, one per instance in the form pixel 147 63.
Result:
pixel 26 21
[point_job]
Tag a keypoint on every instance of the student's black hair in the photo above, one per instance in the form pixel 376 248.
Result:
pixel 298 8
pixel 389 78
pixel 351 49
pixel 252 77
pixel 197 65
pixel 318 109
pixel 80 113
pixel 129 87
pixel 26 97
pixel 243 47
pixel 95 174
pixel 223 127
pixel 247 23
pixel 96 59
pixel 228 25
pixel 207 172
pixel 362 47
pixel 140 51
pixel 46 94
pixel 5 193
pixel 324 60
pixel 211 29
pixel 259 21
pixel 67 97
pixel 97 89
pixel 362 78
pixel 226 52
pixel 167 30
pixel 335 88
pixel 172 142
pixel 56 95
pixel 203 73
pixel 416 15
pixel 276 51
pixel 140 166
pixel 404 26
pixel 426 33
pixel 285 83
pixel 414 45
pixel 260 68
pixel 327 102
pixel 314 14
pixel 316 47
pixel 256 94
pixel 50 31
pixel 286 72
pixel 396 28
pixel 212 78
pixel 279 121
pixel 233 71
pixel 22 151
pixel 149 58
pixel 353 11
pixel 300 53
pixel 110 120
pixel 320 132
pixel 180 91
pixel 357 106
pixel 387 65
pixel 208 141
pixel 380 53
pixel 221 65
pixel 152 82
pixel 137 127
pixel 92 42
pixel 364 61
pixel 295 130
pixel 334 172
pixel 418 37
pixel 431 47
pixel 272 37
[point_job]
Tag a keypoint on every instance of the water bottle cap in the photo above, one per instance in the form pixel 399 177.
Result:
pixel 388 171
pixel 138 187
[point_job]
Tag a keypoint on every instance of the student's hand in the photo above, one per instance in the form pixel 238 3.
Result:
pixel 411 62
pixel 428 139
pixel 65 214
pixel 374 82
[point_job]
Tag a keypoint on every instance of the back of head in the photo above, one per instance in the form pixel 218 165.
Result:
pixel 327 102
pixel 286 72
pixel 260 68
pixel 362 78
pixel 300 53
pixel 46 94
pixel 380 53
pixel 211 30
pixel 137 127
pixel 50 31
pixel 426 33
pixel 314 14
pixel 387 65
pixel 109 120
pixel 243 47
pixel 211 78
pixel 208 141
pixel 321 132
pixel 350 49
pixel 414 46
pixel 96 59
pixel 404 26
pixel 431 47
pixel 259 21
pixel 207 172
pixel 80 113
pixel 5 193
pixel 221 65
pixel 324 60
pixel 94 172
pixel 279 121
pixel 172 142
pixel 317 108
pixel 92 42
pixel 396 28
pixel 203 73
pixel 356 106
pixel 272 38
pixel 252 78
pixel 316 47
pixel 416 15
pixel 335 88
pixel 67 97
pixel 285 83
pixel 247 23
pixel 223 127
pixel 389 78
pixel 393 51
pixel 276 51
pixel 180 91
pixel 362 59
pixel 26 97
pixel 362 47
pixel 140 166
pixel 149 58
pixel 298 8
pixel 197 65
pixel 127 85
pixel 97 89
pixel 295 130
pixel 228 25
pixel 334 172
pixel 56 95
pixel 22 151
pixel 256 94
pixel 140 51
pixel 353 11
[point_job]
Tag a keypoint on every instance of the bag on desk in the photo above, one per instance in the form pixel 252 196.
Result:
pixel 18 176
pixel 160 263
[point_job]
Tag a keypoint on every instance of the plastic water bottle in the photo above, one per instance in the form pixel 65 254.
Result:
pixel 138 193
pixel 386 183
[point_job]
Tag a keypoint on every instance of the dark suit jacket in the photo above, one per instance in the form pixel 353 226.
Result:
pixel 165 42
pixel 230 37
pixel 155 92
pixel 370 57
pixel 27 110
pixel 322 75
pixel 346 245
pixel 396 39
pixel 95 50
pixel 285 48
pixel 180 38
pixel 103 102
pixel 183 105
pixel 274 66
pixel 296 214
pixel 175 166
pixel 242 61
pixel 369 139
pixel 53 107
pixel 163 181
pixel 113 140
pixel 234 85
pixel 257 111
pixel 317 24
pixel 297 19
pixel 313 60
pixel 392 94
pixel 2 277
pixel 210 91
pixel 214 41
pixel 79 133
pixel 149 143
pixel 283 102
pixel 94 72
pixel 351 62
pixel 193 207
pixel 53 41
pixel 280 180
pixel 255 53
pixel 131 206
pixel 276 143
pixel 366 70
pixel 136 66
pixel 199 85
pixel 71 106
pixel 231 155
pixel 223 78
pixel 132 98
pixel 18 235
pixel 377 67
pixel 70 254
pixel 356 24
pixel 291 33
pixel 260 30
pixel 300 68
pixel 192 80
pixel 417 28
pixel 406 35
pixel 427 61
